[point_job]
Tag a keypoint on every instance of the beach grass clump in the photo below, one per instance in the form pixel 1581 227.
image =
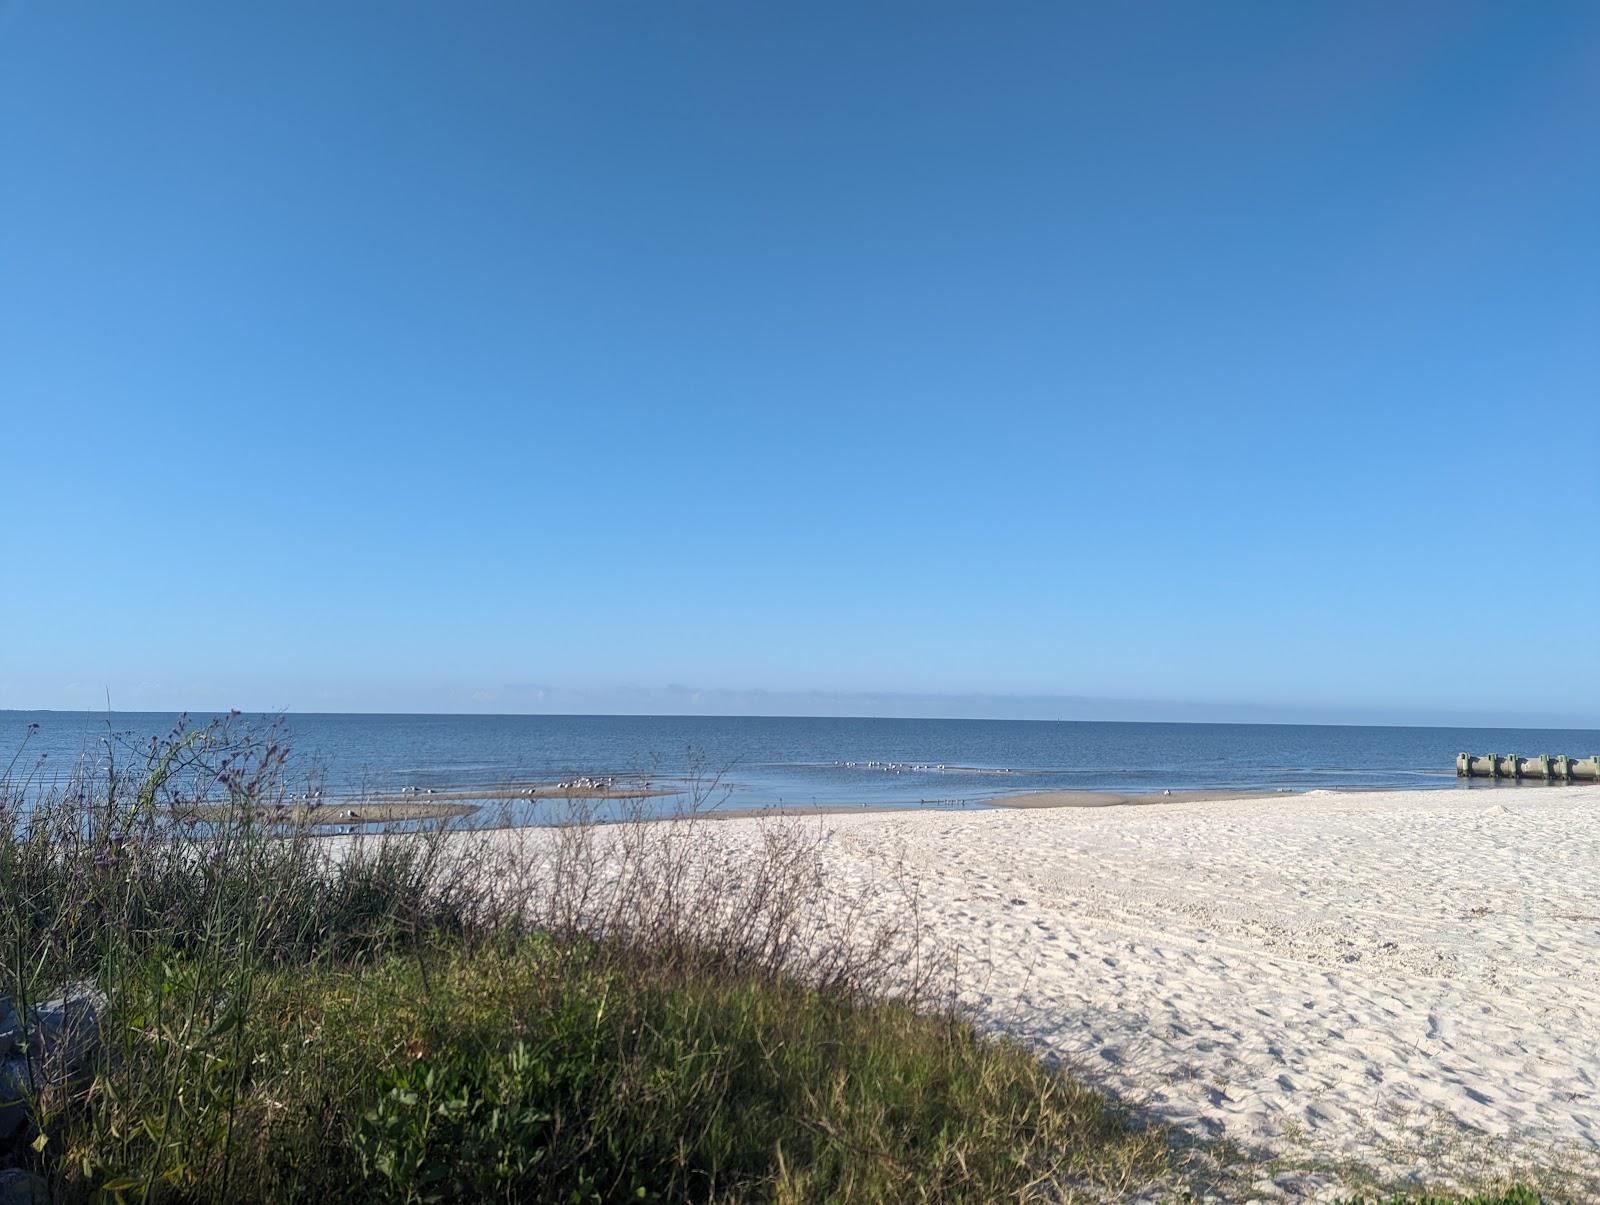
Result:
pixel 547 1071
pixel 587 1012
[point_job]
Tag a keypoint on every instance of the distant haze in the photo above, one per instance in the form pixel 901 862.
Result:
pixel 687 701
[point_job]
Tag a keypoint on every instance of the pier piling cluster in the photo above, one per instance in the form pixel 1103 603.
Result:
pixel 1544 767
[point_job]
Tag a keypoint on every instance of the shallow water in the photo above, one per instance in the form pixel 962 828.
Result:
pixel 757 761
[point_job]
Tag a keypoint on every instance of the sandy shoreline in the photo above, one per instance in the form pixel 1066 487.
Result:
pixel 452 804
pixel 1104 799
pixel 1406 978
pixel 458 803
pixel 1024 800
pixel 1405 981
pixel 524 791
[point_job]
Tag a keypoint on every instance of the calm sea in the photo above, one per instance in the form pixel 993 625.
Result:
pixel 795 761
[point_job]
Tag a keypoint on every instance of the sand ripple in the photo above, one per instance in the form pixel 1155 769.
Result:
pixel 1407 980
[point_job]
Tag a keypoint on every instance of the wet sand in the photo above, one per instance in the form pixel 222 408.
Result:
pixel 520 791
pixel 340 811
pixel 1107 799
pixel 1025 800
pixel 451 803
pixel 445 804
pixel 442 804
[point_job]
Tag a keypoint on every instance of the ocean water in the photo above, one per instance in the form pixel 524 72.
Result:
pixel 756 762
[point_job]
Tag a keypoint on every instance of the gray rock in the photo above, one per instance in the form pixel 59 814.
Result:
pixel 13 1095
pixel 18 1187
pixel 66 1029
pixel 63 1037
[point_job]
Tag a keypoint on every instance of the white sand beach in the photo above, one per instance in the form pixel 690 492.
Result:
pixel 1392 984
pixel 1406 980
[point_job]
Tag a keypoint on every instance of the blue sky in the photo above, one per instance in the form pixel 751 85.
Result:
pixel 643 356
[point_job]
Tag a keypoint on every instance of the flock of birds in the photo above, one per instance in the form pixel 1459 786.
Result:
pixel 314 796
pixel 583 783
pixel 897 767
pixel 892 767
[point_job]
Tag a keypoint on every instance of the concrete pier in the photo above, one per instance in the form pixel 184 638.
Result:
pixel 1543 767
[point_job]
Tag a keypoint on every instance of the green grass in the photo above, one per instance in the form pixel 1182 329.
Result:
pixel 546 1071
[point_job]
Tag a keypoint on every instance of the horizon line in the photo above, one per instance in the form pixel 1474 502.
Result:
pixel 288 713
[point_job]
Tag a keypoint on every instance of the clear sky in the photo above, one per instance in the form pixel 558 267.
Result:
pixel 641 356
